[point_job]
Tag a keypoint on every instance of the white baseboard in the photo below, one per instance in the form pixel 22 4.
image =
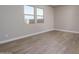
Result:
pixel 17 38
pixel 66 31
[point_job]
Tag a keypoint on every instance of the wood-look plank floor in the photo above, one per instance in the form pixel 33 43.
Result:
pixel 53 42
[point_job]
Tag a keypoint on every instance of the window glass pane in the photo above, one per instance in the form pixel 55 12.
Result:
pixel 28 10
pixel 29 19
pixel 40 19
pixel 39 11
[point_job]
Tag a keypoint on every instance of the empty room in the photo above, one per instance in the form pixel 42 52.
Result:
pixel 39 29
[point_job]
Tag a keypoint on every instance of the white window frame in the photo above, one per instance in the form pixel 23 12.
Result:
pixel 35 13
pixel 29 14
pixel 39 15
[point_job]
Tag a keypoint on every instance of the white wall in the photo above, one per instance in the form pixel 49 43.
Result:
pixel 67 18
pixel 13 22
pixel 1 24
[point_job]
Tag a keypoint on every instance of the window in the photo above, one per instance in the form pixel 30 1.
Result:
pixel 33 14
pixel 29 14
pixel 40 17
